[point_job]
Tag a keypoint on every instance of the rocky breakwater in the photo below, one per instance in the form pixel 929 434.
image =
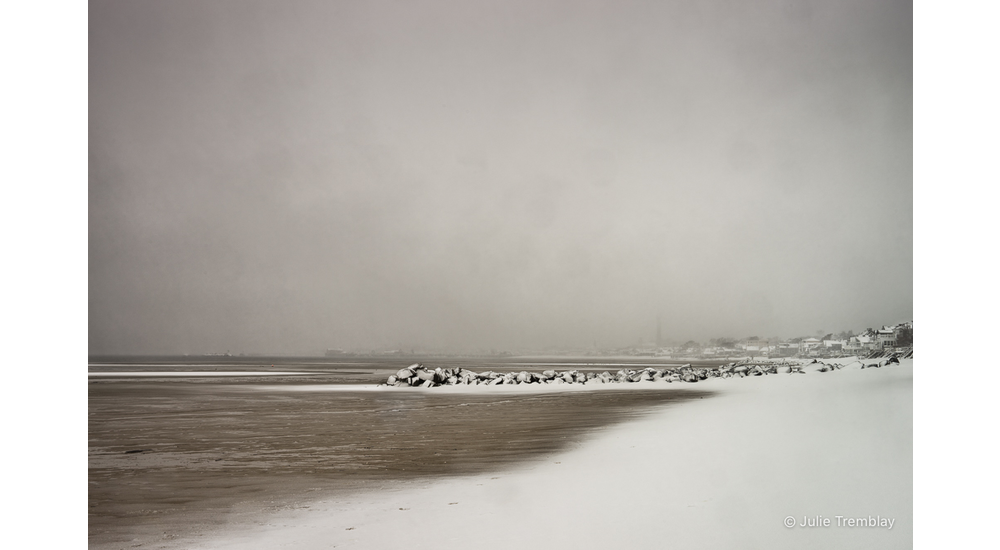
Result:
pixel 417 375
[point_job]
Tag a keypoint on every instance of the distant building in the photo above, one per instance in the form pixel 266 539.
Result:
pixel 755 345
pixel 854 345
pixel 885 338
pixel 833 345
pixel 899 329
pixel 787 349
pixel 810 343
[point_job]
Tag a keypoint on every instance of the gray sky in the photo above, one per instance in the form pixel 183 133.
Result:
pixel 288 176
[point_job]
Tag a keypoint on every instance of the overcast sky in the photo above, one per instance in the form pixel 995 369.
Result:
pixel 291 176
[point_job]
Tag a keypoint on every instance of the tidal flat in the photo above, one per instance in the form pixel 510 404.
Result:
pixel 175 458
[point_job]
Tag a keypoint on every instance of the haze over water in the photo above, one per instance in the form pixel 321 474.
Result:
pixel 291 176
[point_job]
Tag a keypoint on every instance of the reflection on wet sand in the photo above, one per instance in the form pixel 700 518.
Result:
pixel 172 458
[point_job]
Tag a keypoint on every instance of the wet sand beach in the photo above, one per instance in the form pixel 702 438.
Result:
pixel 174 459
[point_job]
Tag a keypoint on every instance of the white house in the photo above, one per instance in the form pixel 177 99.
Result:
pixel 885 338
pixel 810 343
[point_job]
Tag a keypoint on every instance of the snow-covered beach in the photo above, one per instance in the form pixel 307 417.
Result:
pixel 828 452
pixel 452 274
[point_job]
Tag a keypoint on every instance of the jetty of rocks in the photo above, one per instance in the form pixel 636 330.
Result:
pixel 419 375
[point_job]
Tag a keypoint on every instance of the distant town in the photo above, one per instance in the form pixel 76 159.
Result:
pixel 889 339
pixel 871 342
